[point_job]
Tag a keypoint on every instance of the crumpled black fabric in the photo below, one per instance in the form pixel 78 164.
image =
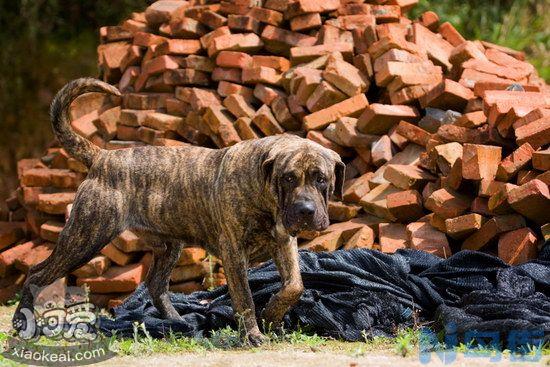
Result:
pixel 350 294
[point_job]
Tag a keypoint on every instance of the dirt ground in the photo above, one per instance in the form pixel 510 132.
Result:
pixel 297 358
pixel 281 355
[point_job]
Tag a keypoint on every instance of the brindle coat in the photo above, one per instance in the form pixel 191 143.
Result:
pixel 239 203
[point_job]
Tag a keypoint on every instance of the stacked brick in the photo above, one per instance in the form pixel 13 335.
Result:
pixel 446 140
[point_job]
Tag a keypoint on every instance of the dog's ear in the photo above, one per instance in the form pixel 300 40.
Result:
pixel 339 174
pixel 268 163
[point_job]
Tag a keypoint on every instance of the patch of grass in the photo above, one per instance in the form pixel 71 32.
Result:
pixel 406 341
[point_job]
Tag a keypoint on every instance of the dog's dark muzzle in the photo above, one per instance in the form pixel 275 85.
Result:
pixel 305 215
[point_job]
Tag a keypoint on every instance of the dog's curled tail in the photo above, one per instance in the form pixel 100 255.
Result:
pixel 77 146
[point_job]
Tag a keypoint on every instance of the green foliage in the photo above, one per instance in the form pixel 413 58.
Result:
pixel 44 44
pixel 406 341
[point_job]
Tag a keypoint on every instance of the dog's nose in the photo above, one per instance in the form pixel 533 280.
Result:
pixel 306 208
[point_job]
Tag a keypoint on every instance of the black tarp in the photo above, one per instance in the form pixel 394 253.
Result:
pixel 349 293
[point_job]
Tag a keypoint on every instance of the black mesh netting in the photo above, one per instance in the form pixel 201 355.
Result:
pixel 348 293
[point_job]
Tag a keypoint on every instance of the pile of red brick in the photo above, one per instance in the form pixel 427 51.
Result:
pixel 446 140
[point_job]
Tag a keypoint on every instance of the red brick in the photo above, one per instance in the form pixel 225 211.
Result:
pixel 275 62
pixel 323 96
pixel 374 202
pixel 318 137
pixel 498 202
pixel 447 95
pixel 327 242
pixel 115 279
pixel 10 256
pixel 363 238
pixel 117 256
pixel 447 203
pixel 450 34
pixel 480 161
pixel 299 55
pixel 518 247
pixel 184 28
pixel 37 254
pixel 244 128
pixel 464 225
pixel 163 10
pixel 531 200
pixel 10 233
pixel 510 165
pixel 243 23
pixel 430 20
pixel 355 189
pixel 226 89
pixel 345 77
pixel 50 230
pixel 393 236
pixel 396 54
pixel 311 6
pixel 413 133
pixel 541 160
pixel 407 177
pixel 206 40
pixel 283 114
pixel 185 273
pixel 350 107
pixel 345 129
pixel 422 236
pixel 305 22
pixel 266 122
pixel 342 212
pixel 248 42
pixel 97 266
pixel 466 51
pixel 405 206
pixel 128 241
pixel 261 74
pixel 536 133
pixel 238 106
pixel 471 119
pixel 381 151
pixel 394 69
pixel 55 203
pixel 379 118
pixel 535 114
pixel 162 122
pixel 491 229
pixel 280 41
pixel 212 19
pixel 438 49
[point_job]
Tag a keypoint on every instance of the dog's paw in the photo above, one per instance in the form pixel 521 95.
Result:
pixel 19 321
pixel 256 338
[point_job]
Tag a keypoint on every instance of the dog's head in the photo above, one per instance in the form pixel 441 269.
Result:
pixel 302 175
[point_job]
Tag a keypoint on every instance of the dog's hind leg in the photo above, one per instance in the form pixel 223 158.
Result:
pixel 165 257
pixel 97 217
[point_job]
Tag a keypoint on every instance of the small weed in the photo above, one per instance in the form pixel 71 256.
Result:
pixel 406 341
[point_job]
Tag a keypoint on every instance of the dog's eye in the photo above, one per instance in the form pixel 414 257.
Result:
pixel 289 179
pixel 321 180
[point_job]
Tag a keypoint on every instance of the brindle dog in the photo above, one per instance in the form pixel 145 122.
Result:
pixel 239 203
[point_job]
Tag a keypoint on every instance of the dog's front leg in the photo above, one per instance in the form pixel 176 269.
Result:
pixel 286 259
pixel 235 265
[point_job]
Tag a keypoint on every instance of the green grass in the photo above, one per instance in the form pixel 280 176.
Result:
pixel 405 344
